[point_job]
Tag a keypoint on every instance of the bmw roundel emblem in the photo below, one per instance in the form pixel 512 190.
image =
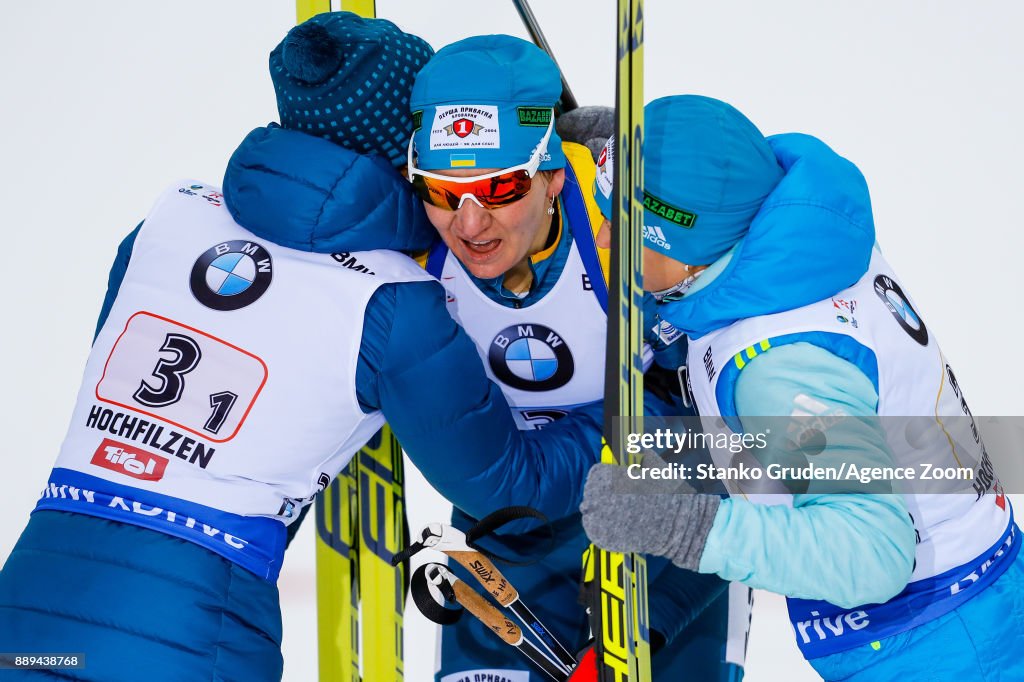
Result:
pixel 231 275
pixel 895 300
pixel 530 357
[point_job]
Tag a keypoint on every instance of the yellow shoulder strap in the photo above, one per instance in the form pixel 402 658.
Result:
pixel 421 258
pixel 583 165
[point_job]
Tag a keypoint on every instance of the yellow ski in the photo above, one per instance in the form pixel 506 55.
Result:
pixel 617 583
pixel 360 525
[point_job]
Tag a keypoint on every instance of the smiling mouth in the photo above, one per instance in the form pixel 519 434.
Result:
pixel 481 248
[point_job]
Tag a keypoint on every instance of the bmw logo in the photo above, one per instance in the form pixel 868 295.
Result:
pixel 894 299
pixel 530 357
pixel 231 275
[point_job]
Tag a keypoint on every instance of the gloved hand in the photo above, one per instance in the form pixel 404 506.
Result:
pixel 661 517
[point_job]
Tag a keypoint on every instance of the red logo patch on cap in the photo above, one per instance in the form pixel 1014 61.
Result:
pixel 463 127
pixel 601 160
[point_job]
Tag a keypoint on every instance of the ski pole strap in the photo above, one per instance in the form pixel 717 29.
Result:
pixel 457 592
pixel 425 601
pixel 496 519
pixel 481 529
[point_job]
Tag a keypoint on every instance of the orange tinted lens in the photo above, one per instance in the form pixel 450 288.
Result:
pixel 505 189
pixel 434 192
pixel 501 190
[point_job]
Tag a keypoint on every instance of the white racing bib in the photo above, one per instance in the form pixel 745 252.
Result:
pixel 874 325
pixel 547 358
pixel 219 396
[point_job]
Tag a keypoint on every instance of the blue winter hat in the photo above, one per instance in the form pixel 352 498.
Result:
pixel 707 170
pixel 348 79
pixel 486 102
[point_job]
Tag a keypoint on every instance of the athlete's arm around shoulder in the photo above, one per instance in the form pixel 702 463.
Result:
pixel 424 373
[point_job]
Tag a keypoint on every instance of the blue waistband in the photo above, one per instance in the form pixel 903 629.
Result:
pixel 254 543
pixel 822 628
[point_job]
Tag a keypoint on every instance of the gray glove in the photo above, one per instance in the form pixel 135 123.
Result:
pixel 664 518
pixel 588 126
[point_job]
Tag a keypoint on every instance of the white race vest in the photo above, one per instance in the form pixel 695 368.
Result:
pixel 874 325
pixel 548 357
pixel 220 394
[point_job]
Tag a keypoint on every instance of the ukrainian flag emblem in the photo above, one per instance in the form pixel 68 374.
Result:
pixel 462 160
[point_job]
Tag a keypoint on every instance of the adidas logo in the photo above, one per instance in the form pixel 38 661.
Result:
pixel 653 233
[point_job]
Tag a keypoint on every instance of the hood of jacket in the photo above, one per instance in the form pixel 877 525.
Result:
pixel 811 238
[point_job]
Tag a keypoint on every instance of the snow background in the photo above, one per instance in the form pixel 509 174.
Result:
pixel 105 103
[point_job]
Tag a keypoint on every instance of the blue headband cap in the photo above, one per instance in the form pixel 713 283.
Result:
pixel 707 170
pixel 486 102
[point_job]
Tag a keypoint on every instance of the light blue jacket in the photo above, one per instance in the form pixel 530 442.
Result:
pixel 812 238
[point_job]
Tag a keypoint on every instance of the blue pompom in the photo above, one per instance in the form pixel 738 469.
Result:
pixel 311 53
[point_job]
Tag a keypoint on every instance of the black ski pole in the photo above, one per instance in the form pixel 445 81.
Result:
pixel 452 542
pixel 455 590
pixel 567 102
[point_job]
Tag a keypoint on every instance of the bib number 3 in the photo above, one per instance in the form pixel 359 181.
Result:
pixel 170 373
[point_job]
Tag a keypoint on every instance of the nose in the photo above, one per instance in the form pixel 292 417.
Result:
pixel 604 235
pixel 472 219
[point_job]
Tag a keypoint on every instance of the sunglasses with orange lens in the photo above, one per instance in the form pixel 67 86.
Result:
pixel 489 191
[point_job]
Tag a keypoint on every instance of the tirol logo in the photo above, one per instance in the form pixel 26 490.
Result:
pixel 894 299
pixel 530 357
pixel 124 459
pixel 231 275
pixel 603 159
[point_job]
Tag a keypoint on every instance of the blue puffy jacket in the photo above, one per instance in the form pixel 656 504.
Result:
pixel 416 364
pixel 140 603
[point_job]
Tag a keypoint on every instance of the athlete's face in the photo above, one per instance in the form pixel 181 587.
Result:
pixel 660 271
pixel 489 243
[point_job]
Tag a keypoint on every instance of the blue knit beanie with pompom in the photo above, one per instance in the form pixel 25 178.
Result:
pixel 348 79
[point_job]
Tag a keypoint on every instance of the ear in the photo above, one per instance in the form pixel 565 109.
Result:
pixel 556 182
